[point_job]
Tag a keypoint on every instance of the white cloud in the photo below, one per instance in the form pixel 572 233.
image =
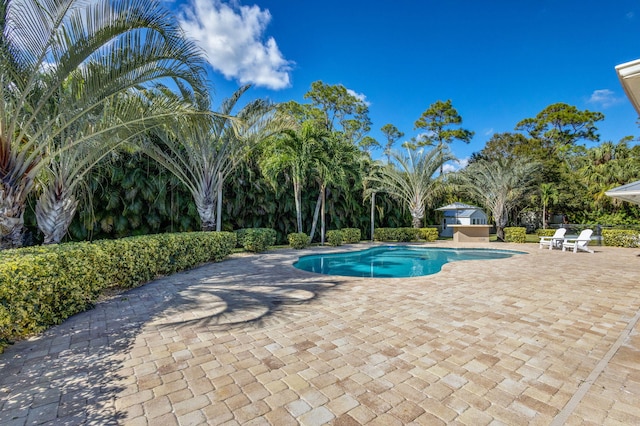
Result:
pixel 360 96
pixel 232 37
pixel 489 132
pixel 455 165
pixel 448 168
pixel 604 98
pixel 630 15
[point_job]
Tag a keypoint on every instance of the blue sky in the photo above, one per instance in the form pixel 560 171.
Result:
pixel 498 61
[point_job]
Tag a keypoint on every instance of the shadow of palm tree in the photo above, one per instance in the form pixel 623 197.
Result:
pixel 69 374
pixel 72 373
pixel 238 297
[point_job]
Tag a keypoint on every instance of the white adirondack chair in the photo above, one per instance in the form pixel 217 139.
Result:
pixel 581 243
pixel 555 241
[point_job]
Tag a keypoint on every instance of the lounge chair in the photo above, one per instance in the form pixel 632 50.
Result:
pixel 555 241
pixel 579 243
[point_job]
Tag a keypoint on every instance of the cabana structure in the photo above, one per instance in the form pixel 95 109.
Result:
pixel 464 222
pixel 629 75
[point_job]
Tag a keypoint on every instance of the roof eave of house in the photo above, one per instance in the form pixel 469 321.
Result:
pixel 629 75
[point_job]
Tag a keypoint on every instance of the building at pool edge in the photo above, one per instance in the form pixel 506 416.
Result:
pixel 629 75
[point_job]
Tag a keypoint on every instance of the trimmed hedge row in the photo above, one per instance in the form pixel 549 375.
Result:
pixel 405 234
pixel 621 237
pixel 515 234
pixel 256 239
pixel 351 235
pixel 42 286
pixel 395 234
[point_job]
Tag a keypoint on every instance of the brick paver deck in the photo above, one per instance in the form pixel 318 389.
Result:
pixel 542 338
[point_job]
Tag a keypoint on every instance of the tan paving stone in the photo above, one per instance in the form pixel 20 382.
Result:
pixel 483 341
pixel 179 396
pixel 191 404
pixel 317 416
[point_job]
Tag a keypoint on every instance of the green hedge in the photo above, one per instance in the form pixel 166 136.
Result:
pixel 299 240
pixel 621 237
pixel 515 234
pixel 334 238
pixel 545 232
pixel 255 239
pixel 428 234
pixel 42 286
pixel 351 235
pixel 396 234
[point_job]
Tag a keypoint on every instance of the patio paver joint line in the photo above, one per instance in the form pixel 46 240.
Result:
pixel 562 417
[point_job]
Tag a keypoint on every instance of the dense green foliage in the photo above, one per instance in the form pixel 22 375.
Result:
pixel 299 240
pixel 41 286
pixel 396 234
pixel 621 237
pixel 134 196
pixel 334 237
pixel 351 235
pixel 256 239
pixel 515 234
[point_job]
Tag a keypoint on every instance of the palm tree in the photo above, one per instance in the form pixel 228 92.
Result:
pixel 412 182
pixel 500 185
pixel 62 179
pixel 295 153
pixel 61 62
pixel 548 194
pixel 201 151
pixel 330 169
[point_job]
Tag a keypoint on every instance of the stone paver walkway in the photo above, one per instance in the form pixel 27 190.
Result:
pixel 542 338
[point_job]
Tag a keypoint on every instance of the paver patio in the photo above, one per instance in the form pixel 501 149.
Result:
pixel 542 338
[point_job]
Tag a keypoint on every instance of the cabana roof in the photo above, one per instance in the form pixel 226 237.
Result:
pixel 629 192
pixel 457 206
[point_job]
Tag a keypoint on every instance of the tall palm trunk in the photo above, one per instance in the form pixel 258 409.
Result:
pixel 219 205
pixel 54 211
pixel 297 189
pixel 206 205
pixel 322 216
pixel 501 222
pixel 316 213
pixel 373 214
pixel 416 208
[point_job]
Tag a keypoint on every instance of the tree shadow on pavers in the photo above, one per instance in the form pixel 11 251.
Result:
pixel 69 374
pixel 233 298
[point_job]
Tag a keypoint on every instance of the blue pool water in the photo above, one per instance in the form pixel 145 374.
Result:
pixel 394 261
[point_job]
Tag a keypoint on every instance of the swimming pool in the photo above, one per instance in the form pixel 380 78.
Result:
pixel 394 261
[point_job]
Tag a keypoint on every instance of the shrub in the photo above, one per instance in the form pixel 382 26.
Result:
pixel 396 234
pixel 256 239
pixel 351 235
pixel 428 234
pixel 407 234
pixel 515 234
pixel 545 232
pixel 384 234
pixel 621 237
pixel 299 240
pixel 334 238
pixel 42 286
